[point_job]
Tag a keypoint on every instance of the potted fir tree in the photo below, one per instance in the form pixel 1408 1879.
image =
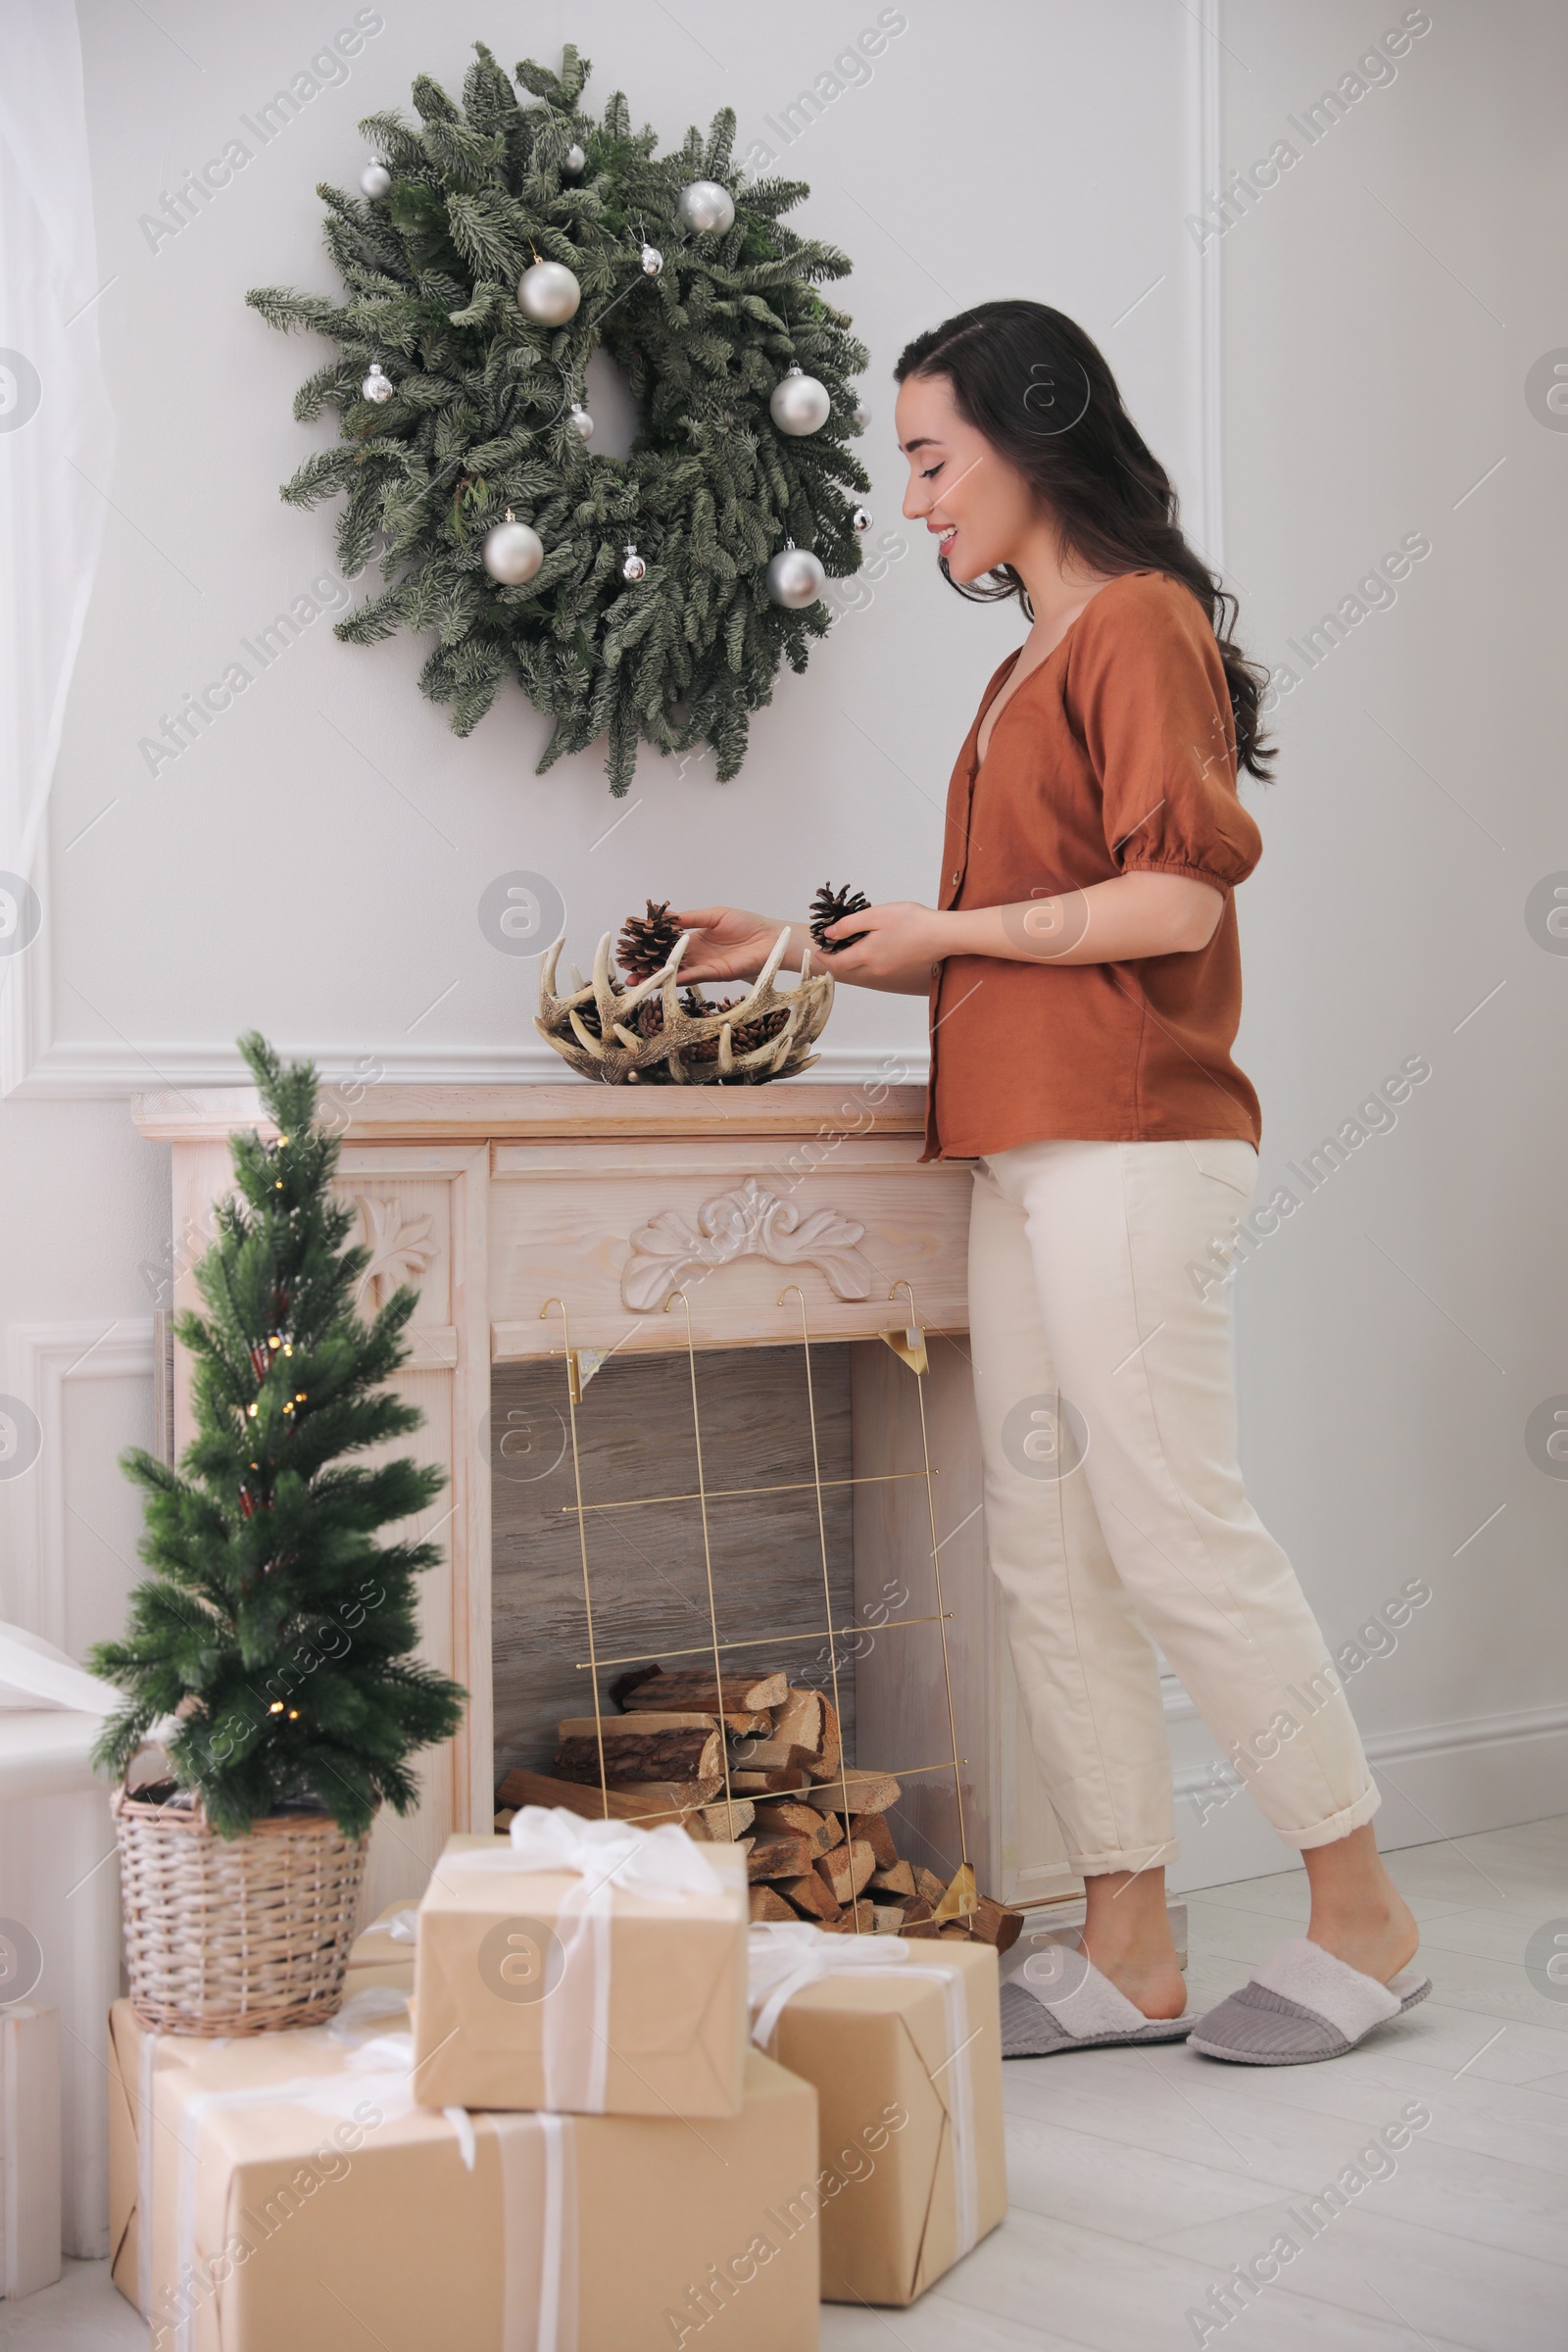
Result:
pixel 275 1628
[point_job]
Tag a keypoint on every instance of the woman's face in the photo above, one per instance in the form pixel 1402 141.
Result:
pixel 977 506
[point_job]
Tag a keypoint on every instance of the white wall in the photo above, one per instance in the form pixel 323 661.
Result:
pixel 313 865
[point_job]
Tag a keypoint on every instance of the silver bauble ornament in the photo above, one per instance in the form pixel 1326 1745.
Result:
pixel 378 386
pixel 860 519
pixel 653 261
pixel 703 205
pixel 574 162
pixel 862 415
pixel 582 420
pixel 513 553
pixel 635 566
pixel 375 179
pixel 549 294
pixel 794 577
pixel 799 404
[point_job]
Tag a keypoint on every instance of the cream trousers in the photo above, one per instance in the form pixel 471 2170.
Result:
pixel 1115 1507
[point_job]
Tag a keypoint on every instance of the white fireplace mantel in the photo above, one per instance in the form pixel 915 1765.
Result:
pixel 620 1203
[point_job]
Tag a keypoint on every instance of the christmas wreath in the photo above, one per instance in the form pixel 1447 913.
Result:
pixel 492 251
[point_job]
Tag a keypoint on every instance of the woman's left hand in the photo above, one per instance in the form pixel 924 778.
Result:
pixel 902 943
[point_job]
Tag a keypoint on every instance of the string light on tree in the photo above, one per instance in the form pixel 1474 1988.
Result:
pixel 860 519
pixel 375 179
pixel 549 294
pixel 378 385
pixel 794 577
pixel 799 403
pixel 513 552
pixel 653 261
pixel 704 205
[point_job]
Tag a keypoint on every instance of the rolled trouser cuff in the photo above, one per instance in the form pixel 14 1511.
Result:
pixel 1339 1825
pixel 1134 1859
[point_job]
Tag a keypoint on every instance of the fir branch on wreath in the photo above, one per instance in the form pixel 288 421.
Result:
pixel 479 418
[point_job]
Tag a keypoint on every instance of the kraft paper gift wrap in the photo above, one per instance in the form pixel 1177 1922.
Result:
pixel 589 1967
pixel 383 1952
pixel 903 2043
pixel 300 2201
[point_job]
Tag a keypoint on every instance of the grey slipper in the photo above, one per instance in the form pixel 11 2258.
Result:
pixel 1302 2005
pixel 1059 2001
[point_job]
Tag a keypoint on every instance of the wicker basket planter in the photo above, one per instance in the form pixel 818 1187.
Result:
pixel 235 1935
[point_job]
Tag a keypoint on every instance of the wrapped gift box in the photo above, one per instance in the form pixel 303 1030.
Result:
pixel 383 1952
pixel 594 1988
pixel 301 2199
pixel 902 2040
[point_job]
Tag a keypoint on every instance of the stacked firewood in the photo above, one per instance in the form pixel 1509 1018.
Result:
pixel 820 1844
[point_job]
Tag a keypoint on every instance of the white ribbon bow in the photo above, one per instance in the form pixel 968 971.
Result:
pixel 604 1855
pixel 662 1861
pixel 783 1955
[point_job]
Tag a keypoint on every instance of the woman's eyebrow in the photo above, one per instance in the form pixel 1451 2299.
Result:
pixel 923 442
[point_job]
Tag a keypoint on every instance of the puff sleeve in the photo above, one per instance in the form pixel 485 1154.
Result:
pixel 1154 709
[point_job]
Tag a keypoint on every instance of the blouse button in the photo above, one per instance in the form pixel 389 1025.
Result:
pixel 957 876
pixel 936 971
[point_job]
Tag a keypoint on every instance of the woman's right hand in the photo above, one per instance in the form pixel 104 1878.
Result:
pixel 733 944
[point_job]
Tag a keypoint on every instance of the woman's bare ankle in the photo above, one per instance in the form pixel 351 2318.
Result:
pixel 1127 1937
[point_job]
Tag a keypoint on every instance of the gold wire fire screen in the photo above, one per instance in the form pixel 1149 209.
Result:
pixel 730 1647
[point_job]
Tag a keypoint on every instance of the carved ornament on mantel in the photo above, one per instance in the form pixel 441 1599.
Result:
pixel 748 1221
pixel 400 1245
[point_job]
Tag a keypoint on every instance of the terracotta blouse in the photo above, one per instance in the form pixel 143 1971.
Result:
pixel 1116 755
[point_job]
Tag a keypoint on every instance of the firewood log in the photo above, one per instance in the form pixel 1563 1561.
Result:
pixel 830 1755
pixel 769 1903
pixel 675 1798
pixel 726 1821
pixel 858 1920
pixel 777 1815
pixel 888 1918
pixel 869 1793
pixel 520 1788
pixel 920 1928
pixel 873 1828
pixel 899 1879
pixel 634 1756
pixel 504 1818
pixel 797 1724
pixel 788 1773
pixel 787 1857
pixel 579 1725
pixel 812 1896
pixel 929 1885
pixel 681 1688
pixel 916 1913
pixel 847 1869
pixel 996 1924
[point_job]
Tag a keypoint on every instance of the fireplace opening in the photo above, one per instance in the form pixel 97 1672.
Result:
pixel 647 1565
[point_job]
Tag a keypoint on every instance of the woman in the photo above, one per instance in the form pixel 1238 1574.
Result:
pixel 1084 978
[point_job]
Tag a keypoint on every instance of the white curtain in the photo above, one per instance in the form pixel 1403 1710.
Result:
pixel 56 425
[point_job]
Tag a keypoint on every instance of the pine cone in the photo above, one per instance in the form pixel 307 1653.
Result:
pixel 830 906
pixel 647 942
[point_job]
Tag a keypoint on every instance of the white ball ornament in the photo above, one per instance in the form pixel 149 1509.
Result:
pixel 635 566
pixel 799 404
pixel 581 419
pixel 574 162
pixel 653 261
pixel 375 179
pixel 704 204
pixel 549 294
pixel 860 519
pixel 862 415
pixel 378 386
pixel 795 579
pixel 513 553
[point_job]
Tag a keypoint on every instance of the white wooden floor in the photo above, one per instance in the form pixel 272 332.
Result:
pixel 1138 2176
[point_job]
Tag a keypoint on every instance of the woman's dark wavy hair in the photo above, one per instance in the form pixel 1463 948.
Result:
pixel 1039 391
